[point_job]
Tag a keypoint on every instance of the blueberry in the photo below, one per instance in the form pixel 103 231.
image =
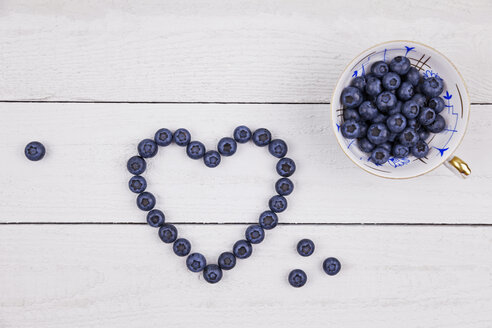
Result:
pixel 386 145
pixel 262 137
pixel 413 124
pixel 413 76
pixel 182 137
pixel 136 165
pixel 380 118
pixel 211 158
pixel 405 91
pixel 391 81
pixel 410 109
pixel 182 247
pixel 423 133
pixel 268 220
pixel 432 86
pixel 420 99
pixel 386 101
pixel 378 133
pixel 365 145
pixel 34 151
pixel 286 167
pixel 359 82
pixel 351 129
pixel 373 86
pixel 278 148
pixel 351 114
pixel 421 149
pixel 297 278
pixel 380 155
pixel 227 146
pixel 363 130
pixel 242 134
pixel 212 273
pixel 396 123
pixel 392 136
pixel 145 201
pixel 400 151
pixel 438 125
pixel 351 97
pixel 284 186
pixel 155 218
pixel 396 109
pixel 254 234
pixel 277 203
pixel 242 249
pixel 227 261
pixel 400 65
pixel 147 148
pixel 367 110
pixel 409 137
pixel 379 69
pixel 196 262
pixel 163 137
pixel 437 104
pixel 331 266
pixel 168 233
pixel 305 247
pixel 427 116
pixel 195 150
pixel 137 184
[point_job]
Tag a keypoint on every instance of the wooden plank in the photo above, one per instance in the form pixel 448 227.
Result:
pixel 249 51
pixel 84 177
pixel 121 276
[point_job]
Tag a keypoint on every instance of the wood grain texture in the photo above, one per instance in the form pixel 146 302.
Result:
pixel 84 176
pixel 221 51
pixel 124 276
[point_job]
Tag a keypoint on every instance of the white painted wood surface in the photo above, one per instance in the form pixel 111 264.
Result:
pixel 63 274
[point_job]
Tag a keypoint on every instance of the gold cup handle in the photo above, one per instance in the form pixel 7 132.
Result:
pixel 458 166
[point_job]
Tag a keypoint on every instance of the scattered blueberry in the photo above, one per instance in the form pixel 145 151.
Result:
pixel 405 91
pixel 145 201
pixel 351 97
pixel 181 247
pixel 378 133
pixel 195 150
pixel 410 109
pixel 254 234
pixel 147 148
pixel 155 218
pixel 34 151
pixel 212 273
pixel 420 99
pixel 286 167
pixel 136 165
pixel 137 184
pixel 400 151
pixel 284 186
pixel 391 81
pixel 386 101
pixel 331 266
pixel 168 233
pixel 438 125
pixel 365 145
pixel 400 65
pixel 268 220
pixel 242 249
pixel 227 146
pixel 421 149
pixel 427 116
pixel 373 86
pixel 278 148
pixel 409 137
pixel 242 134
pixel 350 129
pixel 432 86
pixel 367 110
pixel 437 104
pixel 163 137
pixel 379 69
pixel 196 262
pixel 227 261
pixel 351 114
pixel 305 247
pixel 277 203
pixel 380 155
pixel 182 137
pixel 297 278
pixel 396 123
pixel 413 76
pixel 211 158
pixel 262 137
pixel 359 82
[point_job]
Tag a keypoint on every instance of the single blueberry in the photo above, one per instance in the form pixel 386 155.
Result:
pixel 212 273
pixel 145 201
pixel 268 220
pixel 196 262
pixel 277 203
pixel 305 247
pixel 405 91
pixel 136 165
pixel 359 82
pixel 379 69
pixel 438 125
pixel 392 137
pixel 410 109
pixel 286 167
pixel 396 109
pixel 227 146
pixel 211 158
pixel 297 278
pixel 400 65
pixel 227 261
pixel 156 218
pixel 242 249
pixel 386 145
pixel 181 247
pixel 242 134
pixel 365 145
pixel 427 116
pixel 331 266
pixel 380 155
pixel 378 133
pixel 284 186
pixel 409 137
pixel 195 150
pixel 163 137
pixel 262 137
pixel 278 148
pixel 413 76
pixel 380 118
pixel 363 130
pixel 420 99
pixel 423 133
pixel 391 81
pixel 182 137
pixel 432 86
pixel 386 101
pixel 421 149
pixel 367 110
pixel 351 129
pixel 351 114
pixel 437 104
pixel 168 233
pixel 413 124
pixel 373 86
pixel 254 234
pixel 351 97
pixel 137 184
pixel 34 151
pixel 147 148
pixel 396 123
pixel 400 151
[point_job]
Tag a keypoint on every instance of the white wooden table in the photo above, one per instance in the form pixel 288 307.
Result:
pixel 92 78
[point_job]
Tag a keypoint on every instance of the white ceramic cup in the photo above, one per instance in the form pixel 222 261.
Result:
pixel 442 145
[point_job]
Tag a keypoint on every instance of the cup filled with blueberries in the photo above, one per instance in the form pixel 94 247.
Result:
pixel 400 109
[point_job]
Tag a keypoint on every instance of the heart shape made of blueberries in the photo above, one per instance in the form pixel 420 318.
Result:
pixel 227 146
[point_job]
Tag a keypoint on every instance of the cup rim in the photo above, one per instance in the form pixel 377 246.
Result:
pixel 450 153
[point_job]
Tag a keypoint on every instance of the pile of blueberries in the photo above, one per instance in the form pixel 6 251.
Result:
pixel 254 234
pixel 393 110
